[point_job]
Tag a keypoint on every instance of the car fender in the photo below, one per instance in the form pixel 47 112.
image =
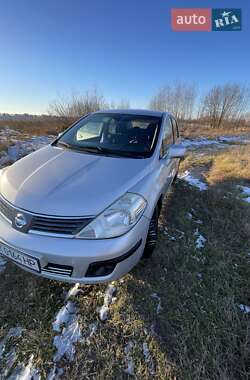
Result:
pixel 151 189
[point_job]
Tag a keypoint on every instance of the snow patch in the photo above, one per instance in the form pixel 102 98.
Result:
pixel 104 313
pixel 130 369
pixel 159 307
pixel 67 322
pixel 10 358
pixel 170 237
pixel 245 192
pixel 244 308
pixel 200 241
pixel 22 148
pixel 64 315
pixel 201 141
pixel 92 331
pixel 148 359
pixel 193 181
pixel 220 142
pixel 55 373
pixel 108 300
pixel 14 332
pixel 198 221
pixel 28 372
pixel 73 291
pixel 191 217
pixel 65 342
pixel 241 139
pixel 7 132
pixel 180 234
pixel 4 159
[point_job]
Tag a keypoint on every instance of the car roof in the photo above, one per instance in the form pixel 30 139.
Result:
pixel 129 111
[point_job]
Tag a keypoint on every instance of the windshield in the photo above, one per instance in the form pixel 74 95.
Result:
pixel 114 134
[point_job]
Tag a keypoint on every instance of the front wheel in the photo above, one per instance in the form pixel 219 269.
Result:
pixel 176 174
pixel 152 235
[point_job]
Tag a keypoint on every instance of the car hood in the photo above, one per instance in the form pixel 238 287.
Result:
pixel 61 182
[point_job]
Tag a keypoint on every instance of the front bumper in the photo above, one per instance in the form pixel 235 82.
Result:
pixel 78 253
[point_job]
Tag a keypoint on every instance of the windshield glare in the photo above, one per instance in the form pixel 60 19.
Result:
pixel 114 133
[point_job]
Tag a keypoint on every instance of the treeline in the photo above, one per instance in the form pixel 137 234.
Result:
pixel 77 105
pixel 220 106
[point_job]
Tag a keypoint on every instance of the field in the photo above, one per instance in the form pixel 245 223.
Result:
pixel 184 314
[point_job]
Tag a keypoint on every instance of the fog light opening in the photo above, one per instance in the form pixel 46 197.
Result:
pixel 99 270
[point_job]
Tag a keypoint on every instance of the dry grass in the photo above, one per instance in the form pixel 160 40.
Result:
pixel 232 166
pixel 192 130
pixel 204 162
pixel 4 145
pixel 52 126
pixel 39 127
pixel 224 169
pixel 200 333
pixel 29 302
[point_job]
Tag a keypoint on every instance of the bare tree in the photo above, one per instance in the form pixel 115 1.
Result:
pixel 225 103
pixel 178 98
pixel 77 105
pixel 122 104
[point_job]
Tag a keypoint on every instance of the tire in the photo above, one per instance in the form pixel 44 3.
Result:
pixel 152 235
pixel 176 175
pixel 175 178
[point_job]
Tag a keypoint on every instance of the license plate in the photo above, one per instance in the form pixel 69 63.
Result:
pixel 20 257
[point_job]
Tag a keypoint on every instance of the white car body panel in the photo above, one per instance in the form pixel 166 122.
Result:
pixel 57 182
pixel 60 182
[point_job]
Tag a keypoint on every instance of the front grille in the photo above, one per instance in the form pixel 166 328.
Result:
pixel 45 225
pixel 6 210
pixel 63 270
pixel 58 225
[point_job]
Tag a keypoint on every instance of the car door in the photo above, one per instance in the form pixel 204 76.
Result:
pixel 168 165
pixel 176 161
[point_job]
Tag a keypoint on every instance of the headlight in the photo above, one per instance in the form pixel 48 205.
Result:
pixel 117 219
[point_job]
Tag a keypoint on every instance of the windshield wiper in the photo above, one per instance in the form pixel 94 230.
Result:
pixel 101 150
pixel 63 143
pixel 123 153
pixel 112 152
pixel 89 148
pixel 80 148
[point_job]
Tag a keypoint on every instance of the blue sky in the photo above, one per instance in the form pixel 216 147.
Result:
pixel 125 48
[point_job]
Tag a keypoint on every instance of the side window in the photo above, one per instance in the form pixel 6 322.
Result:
pixel 167 136
pixel 175 129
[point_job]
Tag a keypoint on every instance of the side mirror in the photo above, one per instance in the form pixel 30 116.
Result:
pixel 177 151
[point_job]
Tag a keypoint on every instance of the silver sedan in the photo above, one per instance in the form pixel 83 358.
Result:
pixel 85 208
